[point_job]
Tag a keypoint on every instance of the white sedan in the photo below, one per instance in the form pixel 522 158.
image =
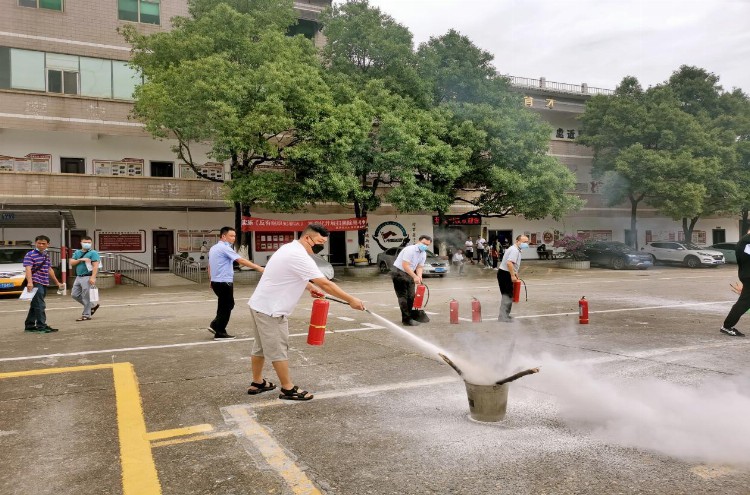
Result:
pixel 685 253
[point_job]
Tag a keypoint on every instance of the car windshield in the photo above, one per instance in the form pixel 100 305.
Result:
pixel 691 246
pixel 12 255
pixel 620 246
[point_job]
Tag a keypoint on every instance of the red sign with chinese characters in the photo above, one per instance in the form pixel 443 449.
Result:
pixel 255 224
pixel 459 220
pixel 121 242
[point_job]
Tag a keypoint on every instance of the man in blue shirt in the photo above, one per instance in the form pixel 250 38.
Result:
pixel 38 272
pixel 221 258
pixel 86 263
pixel 406 274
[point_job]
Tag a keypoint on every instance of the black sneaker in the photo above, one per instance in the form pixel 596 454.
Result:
pixel 50 329
pixel 421 316
pixel 732 331
pixel 37 330
pixel 410 323
pixel 224 336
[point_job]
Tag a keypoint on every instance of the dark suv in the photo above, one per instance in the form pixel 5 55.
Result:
pixel 616 255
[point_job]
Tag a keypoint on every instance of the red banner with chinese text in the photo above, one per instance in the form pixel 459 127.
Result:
pixel 255 224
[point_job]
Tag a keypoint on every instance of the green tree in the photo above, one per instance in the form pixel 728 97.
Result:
pixel 508 171
pixel 233 82
pixel 647 148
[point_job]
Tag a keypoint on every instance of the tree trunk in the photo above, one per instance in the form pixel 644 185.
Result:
pixel 360 211
pixel 745 224
pixel 687 228
pixel 633 223
pixel 247 237
pixel 238 223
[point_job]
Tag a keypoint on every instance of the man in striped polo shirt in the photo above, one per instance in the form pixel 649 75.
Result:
pixel 38 272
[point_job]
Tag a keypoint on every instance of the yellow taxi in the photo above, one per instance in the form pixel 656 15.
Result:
pixel 11 268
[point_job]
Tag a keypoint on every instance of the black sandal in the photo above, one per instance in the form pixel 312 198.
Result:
pixel 295 394
pixel 260 387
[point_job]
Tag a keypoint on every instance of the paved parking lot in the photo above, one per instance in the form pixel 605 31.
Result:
pixel 647 398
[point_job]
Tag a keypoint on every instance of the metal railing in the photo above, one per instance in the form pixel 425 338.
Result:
pixel 186 268
pixel 542 83
pixel 134 270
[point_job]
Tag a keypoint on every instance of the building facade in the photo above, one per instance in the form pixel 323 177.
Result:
pixel 67 142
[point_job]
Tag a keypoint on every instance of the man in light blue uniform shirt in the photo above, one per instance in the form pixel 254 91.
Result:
pixel 406 274
pixel 221 258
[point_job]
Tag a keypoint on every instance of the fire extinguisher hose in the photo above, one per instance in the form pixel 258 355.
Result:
pixel 526 291
pixel 427 298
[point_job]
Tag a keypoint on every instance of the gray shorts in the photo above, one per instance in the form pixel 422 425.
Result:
pixel 271 335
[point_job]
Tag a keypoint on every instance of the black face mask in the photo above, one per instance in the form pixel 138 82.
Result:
pixel 317 248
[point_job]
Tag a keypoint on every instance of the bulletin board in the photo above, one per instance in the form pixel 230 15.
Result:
pixel 271 241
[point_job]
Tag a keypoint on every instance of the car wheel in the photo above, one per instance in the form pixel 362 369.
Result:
pixel 692 262
pixel 383 267
pixel 618 263
pixel 653 260
pixel 441 276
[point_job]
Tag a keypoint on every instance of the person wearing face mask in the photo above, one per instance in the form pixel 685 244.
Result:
pixel 507 274
pixel 406 273
pixel 221 258
pixel 38 273
pixel 86 263
pixel 290 271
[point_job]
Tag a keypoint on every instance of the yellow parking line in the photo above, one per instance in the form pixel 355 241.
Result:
pixel 139 475
pixel 178 432
pixel 274 455
pixel 52 371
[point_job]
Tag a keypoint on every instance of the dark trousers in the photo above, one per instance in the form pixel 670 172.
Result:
pixel 404 286
pixel 225 292
pixel 505 283
pixel 740 307
pixel 37 317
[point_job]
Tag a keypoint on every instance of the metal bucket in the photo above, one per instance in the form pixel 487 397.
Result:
pixel 487 402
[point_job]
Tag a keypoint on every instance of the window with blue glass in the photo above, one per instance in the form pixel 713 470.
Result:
pixel 42 4
pixel 143 11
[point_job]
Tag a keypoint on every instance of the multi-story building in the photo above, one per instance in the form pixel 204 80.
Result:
pixel 67 143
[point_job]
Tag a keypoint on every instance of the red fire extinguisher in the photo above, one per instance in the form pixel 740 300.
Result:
pixel 583 311
pixel 419 296
pixel 454 311
pixel 516 290
pixel 316 334
pixel 476 311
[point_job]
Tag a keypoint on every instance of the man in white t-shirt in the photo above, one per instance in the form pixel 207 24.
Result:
pixel 469 249
pixel 287 274
pixel 406 274
pixel 481 251
pixel 507 274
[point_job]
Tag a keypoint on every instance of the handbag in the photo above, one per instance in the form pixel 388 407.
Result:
pixel 94 294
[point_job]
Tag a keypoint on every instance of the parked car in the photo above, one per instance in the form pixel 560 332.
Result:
pixel 616 255
pixel 12 272
pixel 433 265
pixel 727 249
pixel 686 253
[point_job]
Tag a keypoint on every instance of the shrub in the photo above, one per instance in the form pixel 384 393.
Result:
pixel 574 247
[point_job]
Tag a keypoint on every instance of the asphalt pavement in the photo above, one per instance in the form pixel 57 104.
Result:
pixel 647 398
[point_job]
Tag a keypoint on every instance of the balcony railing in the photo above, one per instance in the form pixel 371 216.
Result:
pixel 91 190
pixel 557 87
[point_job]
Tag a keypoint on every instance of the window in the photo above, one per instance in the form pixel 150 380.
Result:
pixel 124 80
pixel 42 4
pixel 72 165
pixel 162 169
pixel 305 28
pixel 62 73
pixel 4 67
pixel 144 11
pixel 27 69
pixel 96 77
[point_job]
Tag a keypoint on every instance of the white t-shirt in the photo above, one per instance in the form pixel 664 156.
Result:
pixel 413 255
pixel 480 244
pixel 284 280
pixel 469 245
pixel 513 254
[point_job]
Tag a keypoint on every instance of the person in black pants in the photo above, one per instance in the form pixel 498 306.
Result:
pixel 742 251
pixel 221 258
pixel 406 273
